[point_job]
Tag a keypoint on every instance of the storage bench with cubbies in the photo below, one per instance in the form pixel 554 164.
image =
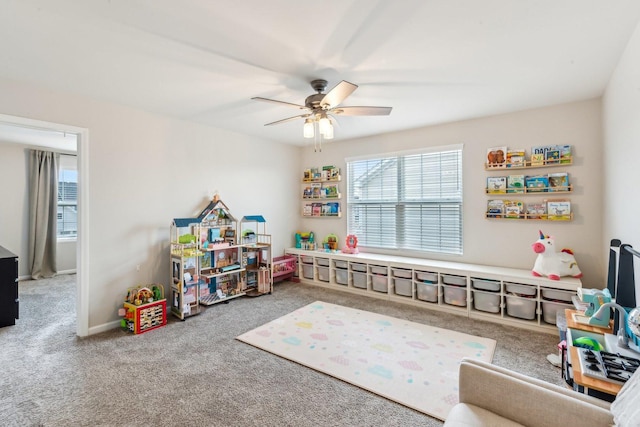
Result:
pixel 499 294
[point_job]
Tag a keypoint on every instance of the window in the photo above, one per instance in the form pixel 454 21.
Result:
pixel 67 197
pixel 407 201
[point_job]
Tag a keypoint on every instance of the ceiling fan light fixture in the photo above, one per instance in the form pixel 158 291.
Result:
pixel 324 124
pixel 328 134
pixel 308 128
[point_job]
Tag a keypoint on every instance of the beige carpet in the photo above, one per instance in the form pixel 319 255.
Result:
pixel 410 363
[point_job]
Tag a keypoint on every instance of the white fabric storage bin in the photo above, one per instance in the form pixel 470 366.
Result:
pixel 427 292
pixel 323 274
pixel 324 262
pixel 521 290
pixel 403 286
pixel 340 264
pixel 341 276
pixel 455 295
pixel 486 301
pixel 523 308
pixel 556 294
pixel 551 309
pixel 485 284
pixel 307 271
pixel 306 259
pixel 360 268
pixel 449 279
pixel 360 280
pixel 379 283
pixel 401 272
pixel 427 276
pixel 378 269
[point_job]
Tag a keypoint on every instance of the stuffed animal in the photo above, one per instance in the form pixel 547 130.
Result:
pixel 551 263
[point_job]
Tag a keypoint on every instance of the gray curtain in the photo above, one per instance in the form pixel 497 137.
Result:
pixel 43 212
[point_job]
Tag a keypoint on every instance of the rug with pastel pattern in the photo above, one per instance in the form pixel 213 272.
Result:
pixel 410 363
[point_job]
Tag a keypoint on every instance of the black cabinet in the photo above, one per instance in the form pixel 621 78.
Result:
pixel 8 287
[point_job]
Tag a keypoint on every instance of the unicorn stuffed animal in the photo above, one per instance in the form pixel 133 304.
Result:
pixel 551 263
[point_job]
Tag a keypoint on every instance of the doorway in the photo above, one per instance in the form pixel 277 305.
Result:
pixel 82 241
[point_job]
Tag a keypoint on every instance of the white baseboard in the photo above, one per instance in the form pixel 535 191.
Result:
pixel 104 327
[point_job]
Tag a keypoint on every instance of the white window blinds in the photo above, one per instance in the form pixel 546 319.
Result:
pixel 407 201
pixel 67 197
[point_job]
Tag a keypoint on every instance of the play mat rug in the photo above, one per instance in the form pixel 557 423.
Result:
pixel 410 363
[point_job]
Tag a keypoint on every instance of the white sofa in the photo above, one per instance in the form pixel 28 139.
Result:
pixel 496 397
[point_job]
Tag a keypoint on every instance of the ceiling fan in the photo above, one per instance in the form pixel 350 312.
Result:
pixel 320 106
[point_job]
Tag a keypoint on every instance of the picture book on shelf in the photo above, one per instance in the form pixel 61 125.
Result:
pixel 542 149
pixel 316 190
pixel 316 209
pixel 334 208
pixel 515 158
pixel 496 184
pixel 515 184
pixel 559 181
pixel 307 210
pixel 330 190
pixel 536 210
pixel 537 159
pixel 565 153
pixel 497 157
pixel 495 208
pixel 552 156
pixel 559 210
pixel 512 208
pixel 536 183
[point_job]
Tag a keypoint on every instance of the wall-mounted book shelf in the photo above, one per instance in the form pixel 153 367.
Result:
pixel 321 193
pixel 516 181
pixel 528 165
pixel 536 192
pixel 529 217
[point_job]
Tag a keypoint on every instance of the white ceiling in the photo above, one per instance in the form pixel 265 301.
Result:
pixel 433 61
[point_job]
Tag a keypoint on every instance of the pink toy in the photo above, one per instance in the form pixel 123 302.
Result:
pixel 551 263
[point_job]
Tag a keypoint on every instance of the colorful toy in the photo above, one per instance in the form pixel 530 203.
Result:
pixel 305 240
pixel 586 342
pixel 330 242
pixel 551 263
pixel 351 245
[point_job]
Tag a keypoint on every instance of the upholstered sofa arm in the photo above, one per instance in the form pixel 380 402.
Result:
pixel 525 400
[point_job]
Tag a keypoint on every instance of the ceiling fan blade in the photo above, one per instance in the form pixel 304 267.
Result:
pixel 301 116
pixel 288 104
pixel 338 94
pixel 362 111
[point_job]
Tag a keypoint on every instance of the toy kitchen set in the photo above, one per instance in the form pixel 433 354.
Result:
pixel 603 332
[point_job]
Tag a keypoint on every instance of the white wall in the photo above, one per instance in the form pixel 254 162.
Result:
pixel 501 242
pixel 144 170
pixel 621 123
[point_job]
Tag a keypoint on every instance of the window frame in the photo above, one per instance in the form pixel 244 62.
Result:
pixel 448 235
pixel 67 162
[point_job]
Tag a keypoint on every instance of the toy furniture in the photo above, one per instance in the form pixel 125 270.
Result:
pixel 495 396
pixel 211 262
